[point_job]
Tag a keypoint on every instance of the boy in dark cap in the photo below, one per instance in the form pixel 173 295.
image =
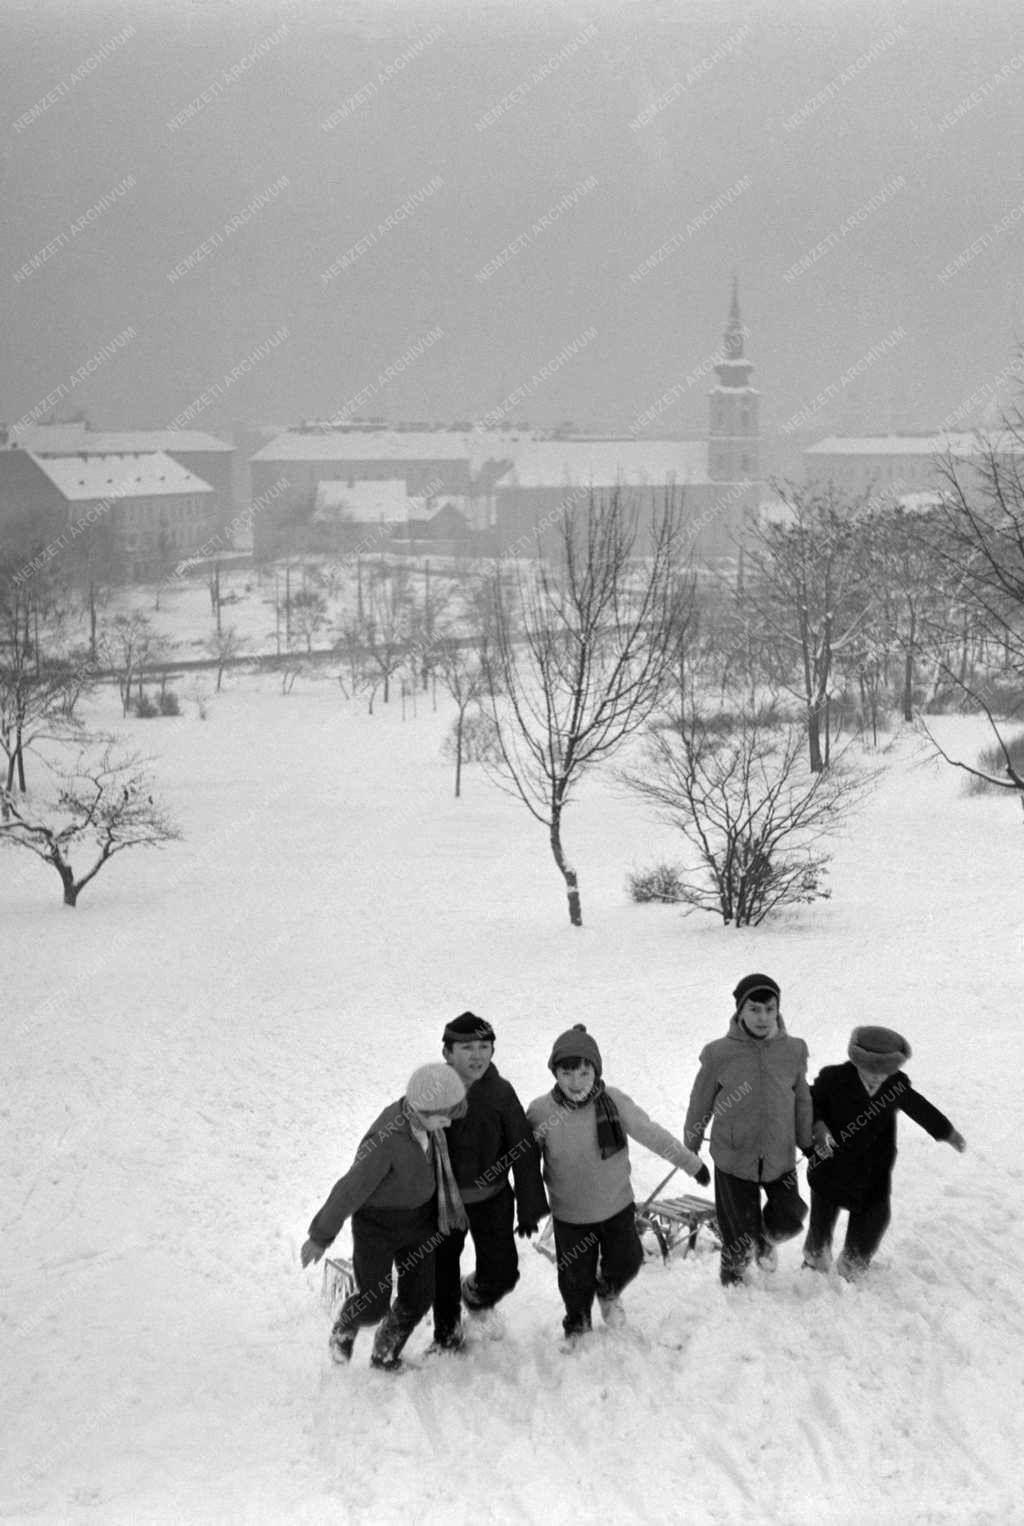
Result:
pixel 490 1140
pixel 752 1088
pixel 581 1127
pixel 401 1196
pixel 855 1110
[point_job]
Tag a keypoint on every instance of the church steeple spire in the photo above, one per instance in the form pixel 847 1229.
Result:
pixel 734 330
pixel 733 445
pixel 733 370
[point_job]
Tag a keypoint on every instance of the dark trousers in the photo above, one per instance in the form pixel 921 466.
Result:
pixel 614 1243
pixel 491 1223
pixel 403 1238
pixel 864 1231
pixel 746 1230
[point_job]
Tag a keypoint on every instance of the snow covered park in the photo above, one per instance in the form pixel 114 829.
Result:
pixel 193 1053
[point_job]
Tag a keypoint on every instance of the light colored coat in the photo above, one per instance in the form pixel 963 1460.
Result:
pixel 754 1093
pixel 583 1187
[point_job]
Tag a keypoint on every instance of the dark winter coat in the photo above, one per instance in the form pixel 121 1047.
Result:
pixel 864 1130
pixel 390 1171
pixel 493 1138
pixel 754 1093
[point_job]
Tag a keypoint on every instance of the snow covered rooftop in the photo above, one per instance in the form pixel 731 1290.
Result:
pixel 370 445
pixel 62 439
pixel 536 461
pixel 146 475
pixel 385 502
pixel 603 463
pixel 962 444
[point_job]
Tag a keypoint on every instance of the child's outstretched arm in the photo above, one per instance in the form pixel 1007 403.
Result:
pixel 350 1192
pixel 930 1119
pixel 641 1127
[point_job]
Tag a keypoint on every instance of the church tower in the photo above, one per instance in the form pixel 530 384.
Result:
pixel 733 440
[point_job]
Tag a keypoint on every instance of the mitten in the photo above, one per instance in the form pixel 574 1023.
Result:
pixel 311 1251
pixel 703 1177
pixel 957 1140
pixel 526 1230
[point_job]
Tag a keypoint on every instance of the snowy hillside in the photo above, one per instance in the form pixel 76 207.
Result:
pixel 192 1055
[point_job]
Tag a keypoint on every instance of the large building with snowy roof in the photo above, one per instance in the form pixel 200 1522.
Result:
pixel 143 511
pixel 207 457
pixel 416 473
pixel 897 466
pixel 505 485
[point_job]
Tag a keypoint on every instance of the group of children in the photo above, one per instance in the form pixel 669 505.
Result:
pixel 434 1167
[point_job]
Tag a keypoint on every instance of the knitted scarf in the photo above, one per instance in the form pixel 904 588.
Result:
pixel 450 1212
pixel 611 1137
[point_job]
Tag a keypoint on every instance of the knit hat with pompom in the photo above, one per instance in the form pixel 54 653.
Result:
pixel 575 1044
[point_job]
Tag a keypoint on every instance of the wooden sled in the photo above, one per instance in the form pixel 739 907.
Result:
pixel 676 1224
pixel 339 1281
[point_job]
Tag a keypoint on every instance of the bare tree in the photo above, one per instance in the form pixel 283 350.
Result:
pixel 129 643
pixel 982 544
pixel 462 674
pixel 805 581
pixel 745 800
pixel 96 567
pixel 37 692
pixel 597 645
pixel 224 645
pixel 354 675
pixel 386 625
pixel 424 622
pixel 103 805
pixel 308 615
pixel 907 577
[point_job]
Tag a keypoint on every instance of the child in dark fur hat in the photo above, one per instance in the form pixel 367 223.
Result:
pixel 401 1196
pixel 855 1110
pixel 581 1127
pixel 752 1089
pixel 492 1139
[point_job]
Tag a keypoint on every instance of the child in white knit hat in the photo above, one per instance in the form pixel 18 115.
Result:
pixel 401 1196
pixel 855 1111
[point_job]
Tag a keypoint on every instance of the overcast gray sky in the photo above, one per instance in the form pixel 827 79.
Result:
pixel 627 159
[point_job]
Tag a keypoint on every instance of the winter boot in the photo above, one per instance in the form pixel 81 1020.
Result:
pixel 851 1268
pixel 471 1295
pixel 343 1338
pixel 612 1311
pixel 574 1331
pixel 767 1257
pixel 392 1333
pixel 817 1260
pixel 450 1340
pixel 486 1321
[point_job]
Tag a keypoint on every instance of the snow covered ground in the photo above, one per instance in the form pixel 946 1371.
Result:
pixel 192 1055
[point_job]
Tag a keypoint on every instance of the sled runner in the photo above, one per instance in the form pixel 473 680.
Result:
pixel 676 1223
pixel 339 1282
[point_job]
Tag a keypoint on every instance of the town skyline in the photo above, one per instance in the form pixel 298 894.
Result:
pixel 279 207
